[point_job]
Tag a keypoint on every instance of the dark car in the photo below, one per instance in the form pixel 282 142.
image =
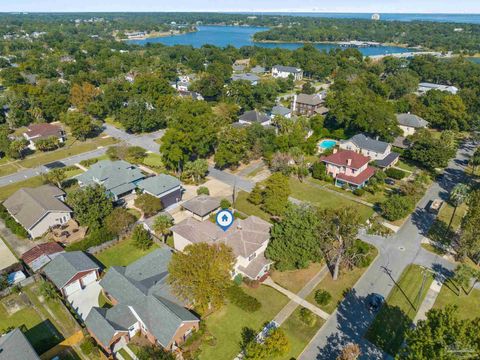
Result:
pixel 375 302
pixel 389 181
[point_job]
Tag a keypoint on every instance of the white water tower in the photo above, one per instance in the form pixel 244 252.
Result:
pixel 376 17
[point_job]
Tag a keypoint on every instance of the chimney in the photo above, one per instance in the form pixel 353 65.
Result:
pixel 294 105
pixel 334 150
pixel 349 162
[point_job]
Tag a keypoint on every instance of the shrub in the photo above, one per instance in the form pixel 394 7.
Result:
pixel 225 204
pixel 307 317
pixel 238 297
pixel 396 174
pixel 361 254
pixel 141 238
pixel 88 346
pixel 251 283
pixel 319 171
pixel 358 192
pixel 397 207
pixel 88 162
pixel 203 190
pixel 238 279
pixel 12 224
pixel 95 237
pixel 256 196
pixel 149 204
pixel 322 297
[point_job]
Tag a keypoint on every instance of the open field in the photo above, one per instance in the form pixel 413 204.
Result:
pixel 295 280
pixel 468 305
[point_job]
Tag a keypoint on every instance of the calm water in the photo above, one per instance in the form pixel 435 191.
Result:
pixel 475 60
pixel 242 36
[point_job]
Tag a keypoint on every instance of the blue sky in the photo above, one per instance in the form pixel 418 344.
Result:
pixel 385 6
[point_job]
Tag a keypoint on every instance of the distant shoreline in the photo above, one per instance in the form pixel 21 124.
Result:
pixel 157 34
pixel 405 46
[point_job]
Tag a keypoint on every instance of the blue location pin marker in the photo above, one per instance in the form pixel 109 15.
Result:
pixel 224 219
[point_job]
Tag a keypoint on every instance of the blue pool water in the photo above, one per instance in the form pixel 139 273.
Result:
pixel 327 144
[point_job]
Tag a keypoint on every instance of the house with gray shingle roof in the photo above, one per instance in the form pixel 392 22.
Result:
pixel 280 71
pixel 254 116
pixel 38 209
pixel 248 239
pixel 200 207
pixel 409 123
pixel 14 345
pixel 279 110
pixel 377 150
pixel 119 177
pixel 165 187
pixel 143 303
pixel 72 271
pixel 252 78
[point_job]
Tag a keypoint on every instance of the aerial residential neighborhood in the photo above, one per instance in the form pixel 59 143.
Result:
pixel 224 185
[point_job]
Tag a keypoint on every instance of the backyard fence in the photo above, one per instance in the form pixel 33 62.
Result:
pixel 25 282
pixel 99 248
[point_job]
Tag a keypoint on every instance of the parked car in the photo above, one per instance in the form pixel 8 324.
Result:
pixel 435 206
pixel 375 302
pixel 389 181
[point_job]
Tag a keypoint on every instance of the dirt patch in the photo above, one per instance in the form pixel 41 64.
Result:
pixel 13 304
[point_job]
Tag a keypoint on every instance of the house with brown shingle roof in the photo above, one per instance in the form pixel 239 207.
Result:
pixel 41 254
pixel 248 239
pixel 36 132
pixel 38 209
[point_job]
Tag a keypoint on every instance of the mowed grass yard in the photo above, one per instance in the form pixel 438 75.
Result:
pixel 42 329
pixel 388 329
pixel 324 199
pixel 295 280
pixel 243 205
pixel 468 304
pixel 122 254
pixel 226 324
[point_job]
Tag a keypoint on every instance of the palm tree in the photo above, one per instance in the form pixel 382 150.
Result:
pixel 457 197
pixel 162 225
pixel 475 161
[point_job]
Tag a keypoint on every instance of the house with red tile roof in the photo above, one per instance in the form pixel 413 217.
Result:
pixel 37 132
pixel 349 168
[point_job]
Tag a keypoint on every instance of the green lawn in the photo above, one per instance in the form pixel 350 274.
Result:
pixel 323 199
pixel 405 166
pixel 295 280
pixel 226 324
pixel 396 316
pixel 8 168
pixel 42 334
pixel 125 354
pixel 245 206
pixel 154 161
pixel 446 213
pixel 122 254
pixel 337 289
pixel 299 334
pixel 468 305
pixel 6 191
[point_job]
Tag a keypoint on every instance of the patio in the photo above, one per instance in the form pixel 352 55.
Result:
pixel 67 233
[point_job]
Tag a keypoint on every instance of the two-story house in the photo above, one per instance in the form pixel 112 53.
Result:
pixel 426 87
pixel 248 239
pixel 254 116
pixel 308 105
pixel 348 167
pixel 280 71
pixel 142 304
pixel 380 151
pixel 409 123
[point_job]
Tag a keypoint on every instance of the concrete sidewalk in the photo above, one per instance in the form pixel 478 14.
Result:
pixel 430 298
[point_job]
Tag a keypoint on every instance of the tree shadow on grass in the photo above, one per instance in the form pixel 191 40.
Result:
pixel 43 336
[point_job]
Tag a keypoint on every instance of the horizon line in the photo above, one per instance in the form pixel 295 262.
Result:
pixel 233 12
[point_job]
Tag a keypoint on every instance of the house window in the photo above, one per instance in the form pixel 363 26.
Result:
pixel 253 256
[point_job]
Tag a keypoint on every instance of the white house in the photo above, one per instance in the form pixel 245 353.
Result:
pixel 425 87
pixel 248 239
pixel 409 123
pixel 38 209
pixel 280 71
pixel 379 151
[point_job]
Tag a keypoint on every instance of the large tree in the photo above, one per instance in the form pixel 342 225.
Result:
pixel 232 147
pixel 337 233
pixel 276 193
pixel 82 126
pixel 469 242
pixel 201 274
pixel 56 176
pixel 293 242
pixel 90 205
pixel 119 221
pixel 442 336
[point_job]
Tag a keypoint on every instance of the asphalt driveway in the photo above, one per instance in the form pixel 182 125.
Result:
pixel 83 300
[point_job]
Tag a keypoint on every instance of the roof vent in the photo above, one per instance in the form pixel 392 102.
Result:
pixel 349 162
pixel 239 226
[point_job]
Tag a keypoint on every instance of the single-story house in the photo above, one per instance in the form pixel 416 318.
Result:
pixel 244 62
pixel 349 167
pixel 142 303
pixel 200 207
pixel 254 116
pixel 8 261
pixel 119 177
pixel 15 346
pixel 38 209
pixel 424 87
pixel 409 123
pixel 252 78
pixel 305 104
pixel 41 254
pixel 72 271
pixel 248 239
pixel 279 110
pixel 280 71
pixel 41 131
pixel 165 187
pixel 238 68
pixel 380 151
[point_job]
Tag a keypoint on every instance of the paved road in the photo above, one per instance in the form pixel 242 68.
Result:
pixel 147 141
pixel 28 173
pixel 230 179
pixel 351 319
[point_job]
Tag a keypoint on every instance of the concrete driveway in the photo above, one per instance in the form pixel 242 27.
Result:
pixel 83 300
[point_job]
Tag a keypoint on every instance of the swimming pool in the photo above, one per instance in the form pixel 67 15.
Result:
pixel 326 144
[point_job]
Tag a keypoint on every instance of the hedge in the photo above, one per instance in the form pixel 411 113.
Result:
pixel 238 297
pixel 322 297
pixel 95 237
pixel 396 174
